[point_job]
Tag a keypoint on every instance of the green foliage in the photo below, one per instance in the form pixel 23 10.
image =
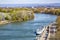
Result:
pixel 6 18
pixel 15 14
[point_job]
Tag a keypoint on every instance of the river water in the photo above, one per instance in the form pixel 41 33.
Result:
pixel 25 30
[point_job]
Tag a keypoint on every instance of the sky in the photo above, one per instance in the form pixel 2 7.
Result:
pixel 28 1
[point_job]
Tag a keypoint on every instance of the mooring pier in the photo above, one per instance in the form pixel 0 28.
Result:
pixel 48 32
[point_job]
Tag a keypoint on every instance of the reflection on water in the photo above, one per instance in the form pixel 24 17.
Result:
pixel 25 30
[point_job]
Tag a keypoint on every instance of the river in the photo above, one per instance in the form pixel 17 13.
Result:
pixel 25 30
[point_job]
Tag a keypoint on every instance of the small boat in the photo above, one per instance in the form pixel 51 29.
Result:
pixel 39 31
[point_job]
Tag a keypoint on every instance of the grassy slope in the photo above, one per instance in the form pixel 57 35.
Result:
pixel 58 29
pixel 57 36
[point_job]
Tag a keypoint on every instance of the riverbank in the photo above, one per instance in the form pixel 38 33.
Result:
pixel 57 36
pixel 6 22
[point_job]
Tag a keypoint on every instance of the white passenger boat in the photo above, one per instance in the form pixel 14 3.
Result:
pixel 39 31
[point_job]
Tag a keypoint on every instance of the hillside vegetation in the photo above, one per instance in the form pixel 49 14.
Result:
pixel 16 14
pixel 54 11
